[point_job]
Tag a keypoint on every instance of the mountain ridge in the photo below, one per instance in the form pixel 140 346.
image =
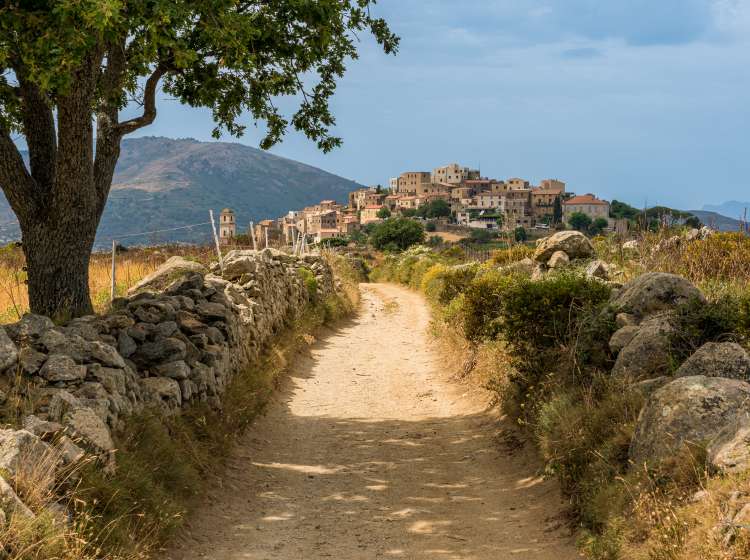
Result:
pixel 162 183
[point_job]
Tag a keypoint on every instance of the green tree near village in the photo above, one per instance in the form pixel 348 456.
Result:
pixel 396 234
pixel 384 213
pixel 579 221
pixel 438 208
pixel 68 69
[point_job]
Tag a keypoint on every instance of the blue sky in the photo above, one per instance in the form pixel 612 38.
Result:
pixel 639 100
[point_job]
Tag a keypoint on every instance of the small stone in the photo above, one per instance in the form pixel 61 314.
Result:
pixel 175 370
pixel 126 346
pixel 59 367
pixel 8 351
pixel 622 337
pixel 211 311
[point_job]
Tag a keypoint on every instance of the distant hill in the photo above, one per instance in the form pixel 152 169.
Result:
pixel 162 183
pixel 733 209
pixel 716 220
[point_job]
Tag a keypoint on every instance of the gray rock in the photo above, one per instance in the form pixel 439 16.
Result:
pixel 119 321
pixel 69 452
pixel 163 392
pixel 558 259
pixel 175 370
pixel 59 367
pixel 655 291
pixel 646 355
pixel 211 311
pixel 29 328
pixel 8 352
pixel 113 380
pixel 238 263
pixel 689 410
pixel 625 320
pixel 166 329
pixel 572 243
pixel 184 284
pixel 40 428
pixel 597 269
pixel 160 352
pixel 725 359
pixel 60 403
pixel 88 425
pixel 126 346
pixel 30 360
pixel 729 451
pixel 9 501
pixel 622 337
pixel 20 449
pixel 167 274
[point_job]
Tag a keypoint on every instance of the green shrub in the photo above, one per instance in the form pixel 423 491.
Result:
pixel 311 283
pixel 696 323
pixel 396 234
pixel 530 315
pixel 443 283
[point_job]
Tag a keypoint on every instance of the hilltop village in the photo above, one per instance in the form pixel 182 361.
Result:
pixel 452 196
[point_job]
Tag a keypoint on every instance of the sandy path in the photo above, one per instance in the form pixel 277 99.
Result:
pixel 372 452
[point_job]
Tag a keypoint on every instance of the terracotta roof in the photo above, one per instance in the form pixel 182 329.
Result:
pixel 585 199
pixel 550 190
pixel 373 207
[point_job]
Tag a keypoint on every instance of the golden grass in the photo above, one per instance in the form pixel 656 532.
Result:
pixel 131 266
pixel 719 265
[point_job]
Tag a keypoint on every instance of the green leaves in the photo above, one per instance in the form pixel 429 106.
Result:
pixel 236 57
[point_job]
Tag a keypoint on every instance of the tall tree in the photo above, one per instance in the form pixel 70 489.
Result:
pixel 68 68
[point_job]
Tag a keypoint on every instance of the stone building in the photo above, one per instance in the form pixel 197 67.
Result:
pixel 453 174
pixel 227 227
pixel 586 204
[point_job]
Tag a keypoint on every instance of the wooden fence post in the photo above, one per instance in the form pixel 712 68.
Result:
pixel 114 283
pixel 216 240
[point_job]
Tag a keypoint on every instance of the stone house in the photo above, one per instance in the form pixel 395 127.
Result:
pixel 586 204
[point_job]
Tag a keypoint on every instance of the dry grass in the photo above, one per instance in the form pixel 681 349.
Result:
pixel 719 265
pixel 132 266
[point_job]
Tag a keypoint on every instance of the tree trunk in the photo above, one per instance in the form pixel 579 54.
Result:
pixel 57 252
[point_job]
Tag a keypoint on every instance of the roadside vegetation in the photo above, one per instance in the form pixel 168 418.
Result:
pixel 542 346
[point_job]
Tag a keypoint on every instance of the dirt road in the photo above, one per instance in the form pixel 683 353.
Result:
pixel 371 451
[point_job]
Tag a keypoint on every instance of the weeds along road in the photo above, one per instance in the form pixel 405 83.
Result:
pixel 371 451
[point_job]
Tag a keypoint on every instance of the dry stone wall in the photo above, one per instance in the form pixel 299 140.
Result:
pixel 178 338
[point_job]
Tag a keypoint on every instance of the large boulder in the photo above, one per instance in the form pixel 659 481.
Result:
pixel 714 359
pixel 173 269
pixel 29 328
pixel 655 291
pixel 8 351
pixel 572 243
pixel 646 353
pixel 689 410
pixel 729 451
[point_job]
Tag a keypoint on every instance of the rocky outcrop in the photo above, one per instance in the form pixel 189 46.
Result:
pixel 653 292
pixel 690 410
pixel 725 359
pixel 573 243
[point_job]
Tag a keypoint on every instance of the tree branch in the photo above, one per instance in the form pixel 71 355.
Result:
pixel 149 104
pixel 15 180
pixel 39 131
